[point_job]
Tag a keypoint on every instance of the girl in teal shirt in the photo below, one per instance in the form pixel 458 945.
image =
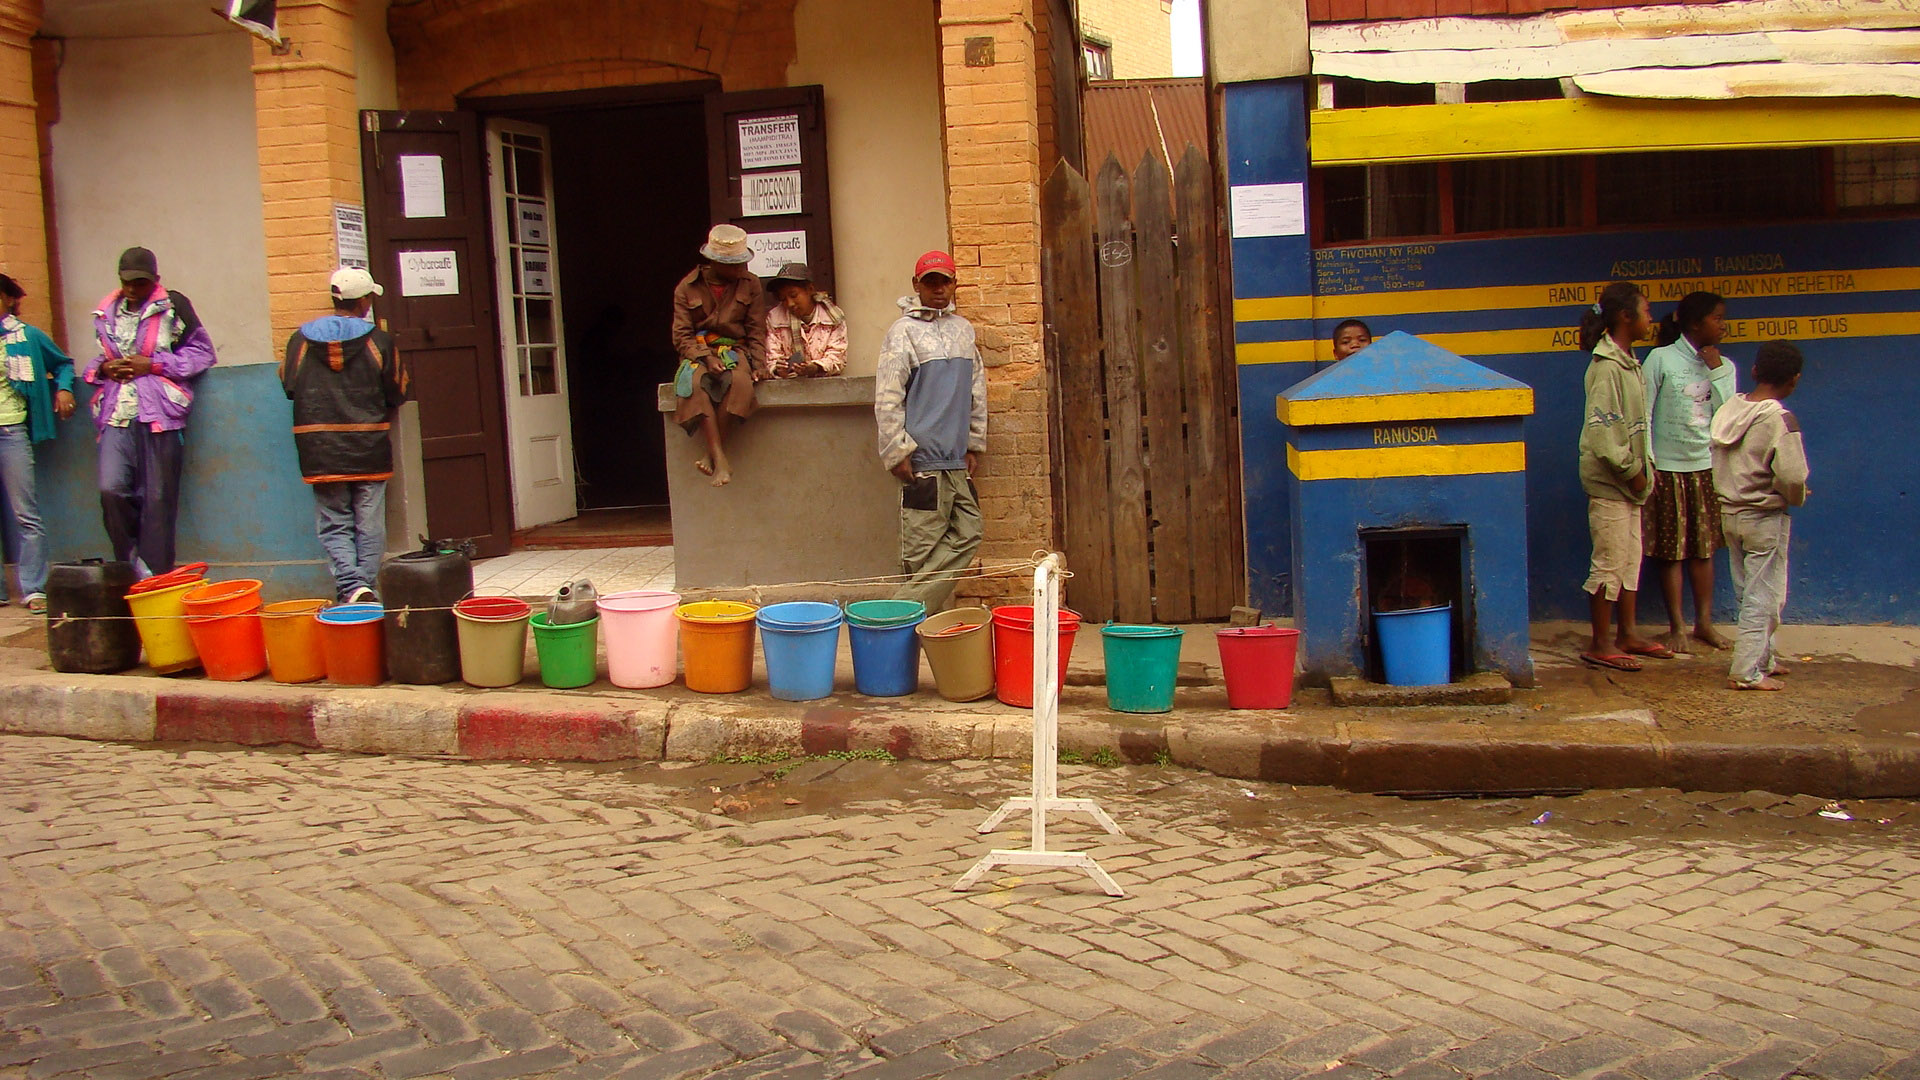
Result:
pixel 1687 382
pixel 38 386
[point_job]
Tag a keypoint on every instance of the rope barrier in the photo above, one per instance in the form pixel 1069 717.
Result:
pixel 984 571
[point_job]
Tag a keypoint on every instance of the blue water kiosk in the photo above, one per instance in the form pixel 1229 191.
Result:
pixel 1407 475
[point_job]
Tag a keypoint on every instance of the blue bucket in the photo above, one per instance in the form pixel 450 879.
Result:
pixel 801 642
pixel 886 650
pixel 1416 647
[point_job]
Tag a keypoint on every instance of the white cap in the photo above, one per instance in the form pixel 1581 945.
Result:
pixel 352 283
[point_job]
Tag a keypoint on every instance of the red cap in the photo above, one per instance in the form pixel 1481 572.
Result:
pixel 935 262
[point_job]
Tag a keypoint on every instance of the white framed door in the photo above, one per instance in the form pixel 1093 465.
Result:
pixel 533 344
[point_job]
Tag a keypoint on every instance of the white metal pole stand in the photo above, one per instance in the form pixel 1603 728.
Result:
pixel 1046 750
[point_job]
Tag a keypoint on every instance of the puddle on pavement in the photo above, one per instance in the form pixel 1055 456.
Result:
pixel 1275 813
pixel 1900 717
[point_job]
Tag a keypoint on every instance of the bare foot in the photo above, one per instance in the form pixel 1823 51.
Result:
pixel 705 464
pixel 1764 684
pixel 1677 642
pixel 1711 638
pixel 1780 669
pixel 723 475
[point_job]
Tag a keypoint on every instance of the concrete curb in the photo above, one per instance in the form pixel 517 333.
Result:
pixel 598 725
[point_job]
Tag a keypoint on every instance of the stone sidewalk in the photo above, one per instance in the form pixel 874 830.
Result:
pixel 1850 726
pixel 236 914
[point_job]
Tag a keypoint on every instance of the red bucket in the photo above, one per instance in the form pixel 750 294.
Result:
pixel 1258 664
pixel 231 647
pixel 1013 652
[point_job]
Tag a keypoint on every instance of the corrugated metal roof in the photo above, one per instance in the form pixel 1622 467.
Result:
pixel 1131 118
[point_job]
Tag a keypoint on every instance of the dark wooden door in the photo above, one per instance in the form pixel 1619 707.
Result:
pixel 432 249
pixel 750 153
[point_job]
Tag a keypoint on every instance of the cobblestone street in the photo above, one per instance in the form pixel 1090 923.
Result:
pixel 233 914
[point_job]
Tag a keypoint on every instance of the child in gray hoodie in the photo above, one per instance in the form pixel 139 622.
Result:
pixel 930 404
pixel 1760 470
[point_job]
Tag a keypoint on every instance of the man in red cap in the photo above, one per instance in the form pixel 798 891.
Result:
pixel 930 401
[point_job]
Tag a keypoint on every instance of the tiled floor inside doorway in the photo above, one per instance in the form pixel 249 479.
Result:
pixel 535 574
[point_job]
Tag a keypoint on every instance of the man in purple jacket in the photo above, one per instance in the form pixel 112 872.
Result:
pixel 152 347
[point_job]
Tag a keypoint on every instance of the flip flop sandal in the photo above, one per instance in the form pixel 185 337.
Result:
pixel 1655 651
pixel 1611 661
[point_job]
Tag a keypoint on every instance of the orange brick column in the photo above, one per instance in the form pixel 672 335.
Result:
pixel 304 108
pixel 23 216
pixel 989 82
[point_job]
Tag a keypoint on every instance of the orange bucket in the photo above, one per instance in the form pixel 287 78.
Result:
pixel 237 597
pixel 716 637
pixel 292 637
pixel 354 640
pixel 230 646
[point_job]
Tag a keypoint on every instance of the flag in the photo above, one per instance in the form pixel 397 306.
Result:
pixel 254 16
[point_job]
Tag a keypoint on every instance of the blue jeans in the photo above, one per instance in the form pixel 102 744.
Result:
pixel 16 479
pixel 351 518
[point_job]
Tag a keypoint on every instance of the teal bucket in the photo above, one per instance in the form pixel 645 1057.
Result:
pixel 1416 647
pixel 1143 664
pixel 801 642
pixel 886 651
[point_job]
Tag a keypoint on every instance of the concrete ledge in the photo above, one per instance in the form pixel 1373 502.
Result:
pixel 1359 755
pixel 1480 688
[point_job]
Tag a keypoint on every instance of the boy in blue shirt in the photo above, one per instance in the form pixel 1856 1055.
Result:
pixel 930 403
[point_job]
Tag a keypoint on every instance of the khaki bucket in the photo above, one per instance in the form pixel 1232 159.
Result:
pixel 493 640
pixel 959 647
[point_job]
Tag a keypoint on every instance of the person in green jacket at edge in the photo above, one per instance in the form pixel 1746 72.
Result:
pixel 1687 382
pixel 1616 471
pixel 38 387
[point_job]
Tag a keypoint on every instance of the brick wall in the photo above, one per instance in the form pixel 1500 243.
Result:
pixel 543 46
pixel 1141 32
pixel 993 210
pixel 307 120
pixel 23 222
pixel 1359 10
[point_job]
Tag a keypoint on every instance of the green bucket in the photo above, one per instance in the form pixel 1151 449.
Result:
pixel 568 654
pixel 1143 664
pixel 885 614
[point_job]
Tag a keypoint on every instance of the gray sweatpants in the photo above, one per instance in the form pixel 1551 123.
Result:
pixel 939 532
pixel 1757 543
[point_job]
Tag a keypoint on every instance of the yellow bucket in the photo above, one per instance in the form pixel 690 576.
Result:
pixel 160 617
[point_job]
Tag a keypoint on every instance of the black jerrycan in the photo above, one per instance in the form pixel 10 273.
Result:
pixel 90 629
pixel 423 646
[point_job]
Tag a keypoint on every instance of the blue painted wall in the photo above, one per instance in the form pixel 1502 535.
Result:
pixel 1854 402
pixel 1266 143
pixel 243 506
pixel 1790 281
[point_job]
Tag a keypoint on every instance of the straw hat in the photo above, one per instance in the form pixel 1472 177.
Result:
pixel 727 244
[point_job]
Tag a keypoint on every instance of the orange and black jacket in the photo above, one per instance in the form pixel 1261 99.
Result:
pixel 344 378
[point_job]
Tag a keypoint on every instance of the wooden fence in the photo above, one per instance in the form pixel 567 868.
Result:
pixel 1145 390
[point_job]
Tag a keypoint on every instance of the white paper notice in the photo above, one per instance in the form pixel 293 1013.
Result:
pixel 772 250
pixel 770 141
pixel 429 273
pixel 767 194
pixel 423 186
pixel 533 222
pixel 1270 210
pixel 536 272
pixel 350 235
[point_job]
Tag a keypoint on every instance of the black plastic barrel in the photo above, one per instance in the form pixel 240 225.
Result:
pixel 423 646
pixel 90 629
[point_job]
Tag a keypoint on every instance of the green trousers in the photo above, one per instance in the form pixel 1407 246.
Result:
pixel 939 533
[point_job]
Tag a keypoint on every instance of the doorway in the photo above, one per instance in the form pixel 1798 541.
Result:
pixel 629 201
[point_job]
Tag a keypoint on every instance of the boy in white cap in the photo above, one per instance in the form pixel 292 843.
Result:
pixel 720 335
pixel 345 379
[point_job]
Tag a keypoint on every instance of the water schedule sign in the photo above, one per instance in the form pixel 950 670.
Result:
pixel 429 273
pixel 768 142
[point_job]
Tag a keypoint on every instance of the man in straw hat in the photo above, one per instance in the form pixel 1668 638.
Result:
pixel 345 378
pixel 720 335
